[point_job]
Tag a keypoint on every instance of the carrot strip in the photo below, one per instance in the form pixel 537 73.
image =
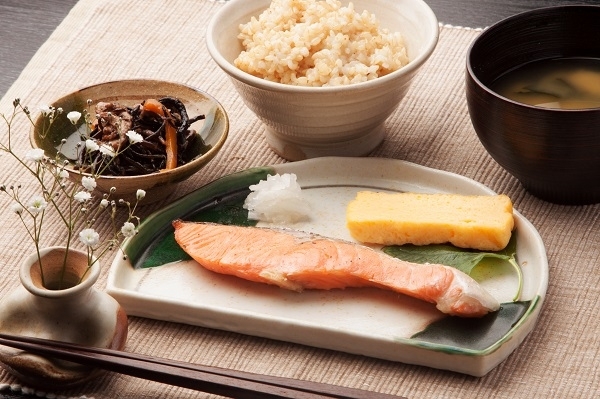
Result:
pixel 152 105
pixel 171 144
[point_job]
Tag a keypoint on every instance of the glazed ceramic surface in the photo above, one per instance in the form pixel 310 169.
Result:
pixel 306 122
pixel 160 281
pixel 554 153
pixel 213 130
pixel 78 314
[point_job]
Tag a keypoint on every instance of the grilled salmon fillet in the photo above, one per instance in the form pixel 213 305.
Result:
pixel 297 260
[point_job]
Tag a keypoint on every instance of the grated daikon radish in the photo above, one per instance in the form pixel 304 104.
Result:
pixel 277 200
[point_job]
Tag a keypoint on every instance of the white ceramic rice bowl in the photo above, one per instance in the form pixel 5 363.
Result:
pixel 307 122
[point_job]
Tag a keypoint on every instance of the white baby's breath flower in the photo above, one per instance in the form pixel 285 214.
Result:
pixel 37 204
pixel 82 196
pixel 128 229
pixel 35 155
pixel 134 137
pixel 17 208
pixel 91 145
pixel 89 183
pixel 52 177
pixel 45 110
pixel 89 237
pixel 107 150
pixel 74 116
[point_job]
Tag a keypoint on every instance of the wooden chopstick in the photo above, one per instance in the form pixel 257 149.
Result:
pixel 215 380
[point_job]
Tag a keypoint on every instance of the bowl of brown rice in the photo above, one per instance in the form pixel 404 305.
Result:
pixel 323 76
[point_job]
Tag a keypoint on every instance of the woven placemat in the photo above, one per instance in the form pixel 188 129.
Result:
pixel 112 39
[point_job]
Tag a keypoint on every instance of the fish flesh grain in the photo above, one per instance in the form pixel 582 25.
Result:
pixel 298 260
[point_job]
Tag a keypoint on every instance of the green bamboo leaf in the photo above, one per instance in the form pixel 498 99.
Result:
pixel 462 259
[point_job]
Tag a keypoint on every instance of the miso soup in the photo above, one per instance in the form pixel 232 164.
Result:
pixel 567 83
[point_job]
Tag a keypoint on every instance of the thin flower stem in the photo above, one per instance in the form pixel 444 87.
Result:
pixel 69 201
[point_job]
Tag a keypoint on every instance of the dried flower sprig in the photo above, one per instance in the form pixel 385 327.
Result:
pixel 74 204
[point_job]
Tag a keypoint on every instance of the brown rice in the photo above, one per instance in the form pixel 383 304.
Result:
pixel 318 43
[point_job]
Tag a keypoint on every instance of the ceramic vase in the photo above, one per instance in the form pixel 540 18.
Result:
pixel 74 312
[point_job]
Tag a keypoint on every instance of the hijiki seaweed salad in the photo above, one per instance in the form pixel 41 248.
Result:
pixel 164 125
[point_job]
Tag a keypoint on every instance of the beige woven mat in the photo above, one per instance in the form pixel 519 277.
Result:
pixel 113 39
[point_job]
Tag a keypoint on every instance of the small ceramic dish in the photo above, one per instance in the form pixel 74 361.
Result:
pixel 213 130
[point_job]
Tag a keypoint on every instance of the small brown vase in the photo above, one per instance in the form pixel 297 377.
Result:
pixel 74 312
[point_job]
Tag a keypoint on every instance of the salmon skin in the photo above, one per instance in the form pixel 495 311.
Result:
pixel 297 260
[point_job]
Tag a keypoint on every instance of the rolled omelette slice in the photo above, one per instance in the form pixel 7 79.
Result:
pixel 482 222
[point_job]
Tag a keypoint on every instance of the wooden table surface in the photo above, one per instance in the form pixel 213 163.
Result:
pixel 26 24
